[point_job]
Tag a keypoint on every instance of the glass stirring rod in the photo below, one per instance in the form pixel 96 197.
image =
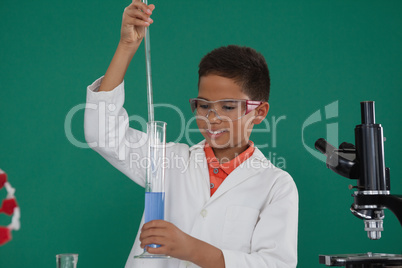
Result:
pixel 149 72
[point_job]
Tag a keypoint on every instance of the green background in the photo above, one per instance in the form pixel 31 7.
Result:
pixel 318 52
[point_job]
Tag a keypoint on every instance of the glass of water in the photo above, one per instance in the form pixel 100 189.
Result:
pixel 66 260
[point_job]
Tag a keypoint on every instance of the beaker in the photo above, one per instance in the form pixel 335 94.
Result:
pixel 155 179
pixel 66 260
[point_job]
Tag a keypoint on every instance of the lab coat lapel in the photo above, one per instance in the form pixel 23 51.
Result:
pixel 199 162
pixel 247 169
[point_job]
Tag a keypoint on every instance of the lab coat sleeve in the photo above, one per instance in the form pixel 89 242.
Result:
pixel 107 131
pixel 274 241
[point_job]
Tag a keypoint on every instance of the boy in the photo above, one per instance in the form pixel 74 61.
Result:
pixel 228 206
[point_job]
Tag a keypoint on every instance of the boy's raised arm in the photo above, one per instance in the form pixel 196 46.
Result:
pixel 135 18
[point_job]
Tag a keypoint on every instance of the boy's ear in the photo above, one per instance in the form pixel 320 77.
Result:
pixel 261 113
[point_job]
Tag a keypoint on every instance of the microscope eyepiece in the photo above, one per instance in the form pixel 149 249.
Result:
pixel 367 112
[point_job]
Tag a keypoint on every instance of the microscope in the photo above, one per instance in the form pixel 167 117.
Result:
pixel 364 162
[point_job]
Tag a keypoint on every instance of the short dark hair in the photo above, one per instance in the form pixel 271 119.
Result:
pixel 245 65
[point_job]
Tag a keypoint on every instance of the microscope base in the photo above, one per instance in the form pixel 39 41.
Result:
pixel 366 260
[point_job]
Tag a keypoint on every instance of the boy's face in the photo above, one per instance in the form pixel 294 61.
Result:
pixel 235 133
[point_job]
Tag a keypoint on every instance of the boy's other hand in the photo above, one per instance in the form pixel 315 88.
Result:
pixel 135 18
pixel 177 244
pixel 173 241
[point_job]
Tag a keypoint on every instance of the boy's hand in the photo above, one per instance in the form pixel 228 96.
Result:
pixel 135 18
pixel 173 241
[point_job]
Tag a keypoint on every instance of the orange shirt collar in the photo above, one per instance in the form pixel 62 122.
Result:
pixel 228 167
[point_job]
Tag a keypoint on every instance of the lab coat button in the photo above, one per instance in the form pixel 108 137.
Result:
pixel 204 213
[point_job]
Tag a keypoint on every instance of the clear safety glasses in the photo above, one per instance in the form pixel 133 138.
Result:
pixel 231 109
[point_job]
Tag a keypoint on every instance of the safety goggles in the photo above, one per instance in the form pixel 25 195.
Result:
pixel 225 109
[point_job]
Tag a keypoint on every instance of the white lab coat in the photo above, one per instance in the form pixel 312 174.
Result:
pixel 252 217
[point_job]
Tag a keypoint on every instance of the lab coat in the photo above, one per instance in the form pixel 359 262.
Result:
pixel 252 217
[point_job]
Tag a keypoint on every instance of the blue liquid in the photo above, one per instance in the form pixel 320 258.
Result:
pixel 154 208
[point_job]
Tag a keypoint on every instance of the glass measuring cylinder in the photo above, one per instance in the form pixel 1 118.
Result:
pixel 155 179
pixel 66 260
